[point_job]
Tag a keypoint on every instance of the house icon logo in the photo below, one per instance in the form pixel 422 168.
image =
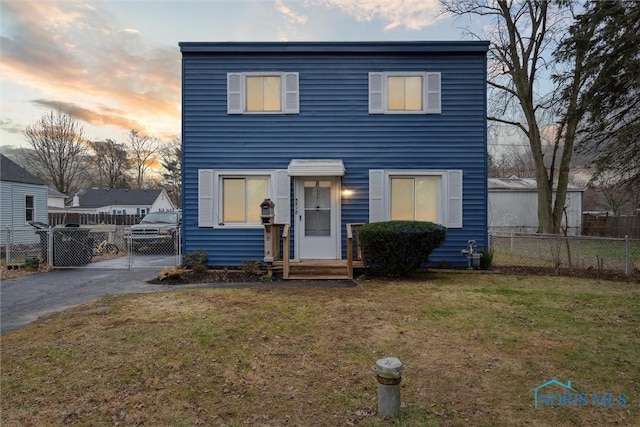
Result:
pixel 537 392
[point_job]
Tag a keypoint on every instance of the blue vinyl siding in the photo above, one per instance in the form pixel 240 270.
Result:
pixel 334 123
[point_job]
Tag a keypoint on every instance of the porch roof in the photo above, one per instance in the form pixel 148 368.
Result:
pixel 316 167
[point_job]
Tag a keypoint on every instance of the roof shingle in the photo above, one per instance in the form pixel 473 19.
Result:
pixel 96 198
pixel 11 171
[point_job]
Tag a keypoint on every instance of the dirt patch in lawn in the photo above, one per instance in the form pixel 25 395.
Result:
pixel 589 273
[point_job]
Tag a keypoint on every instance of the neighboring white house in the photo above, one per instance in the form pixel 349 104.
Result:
pixel 56 200
pixel 513 206
pixel 23 199
pixel 122 201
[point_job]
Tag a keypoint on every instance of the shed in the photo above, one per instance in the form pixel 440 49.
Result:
pixel 513 206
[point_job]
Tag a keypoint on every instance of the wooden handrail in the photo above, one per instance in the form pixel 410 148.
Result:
pixel 349 252
pixel 350 228
pixel 285 251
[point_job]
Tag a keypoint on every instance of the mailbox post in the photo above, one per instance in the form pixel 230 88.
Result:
pixel 267 214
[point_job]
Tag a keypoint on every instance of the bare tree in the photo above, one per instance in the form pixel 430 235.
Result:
pixel 59 149
pixel 111 163
pixel 524 32
pixel 171 160
pixel 613 196
pixel 143 151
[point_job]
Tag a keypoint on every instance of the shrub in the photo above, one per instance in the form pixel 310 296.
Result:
pixel 400 247
pixel 198 257
pixel 486 259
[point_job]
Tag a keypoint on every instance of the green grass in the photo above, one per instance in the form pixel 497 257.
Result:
pixel 473 345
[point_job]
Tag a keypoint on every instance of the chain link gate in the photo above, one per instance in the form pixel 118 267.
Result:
pixel 106 247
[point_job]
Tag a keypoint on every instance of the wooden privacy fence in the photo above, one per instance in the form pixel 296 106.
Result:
pixel 611 226
pixel 92 218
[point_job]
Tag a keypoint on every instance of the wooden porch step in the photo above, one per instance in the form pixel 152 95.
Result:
pixel 314 277
pixel 316 269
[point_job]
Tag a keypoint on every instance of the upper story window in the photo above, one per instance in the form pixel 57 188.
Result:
pixel 30 210
pixel 263 93
pixel 404 93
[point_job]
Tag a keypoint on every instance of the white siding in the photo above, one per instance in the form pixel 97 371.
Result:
pixel 518 211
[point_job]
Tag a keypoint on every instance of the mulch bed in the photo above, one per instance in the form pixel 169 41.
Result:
pixel 241 276
pixel 187 277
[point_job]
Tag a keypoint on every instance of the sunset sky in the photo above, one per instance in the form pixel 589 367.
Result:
pixel 115 65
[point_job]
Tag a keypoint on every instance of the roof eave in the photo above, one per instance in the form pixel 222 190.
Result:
pixel 337 47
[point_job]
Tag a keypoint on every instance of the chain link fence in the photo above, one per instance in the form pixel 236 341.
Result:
pixel 518 251
pixel 109 247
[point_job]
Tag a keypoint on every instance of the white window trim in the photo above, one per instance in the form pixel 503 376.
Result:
pixel 219 175
pixel 286 107
pixel 380 198
pixel 426 90
pixel 33 196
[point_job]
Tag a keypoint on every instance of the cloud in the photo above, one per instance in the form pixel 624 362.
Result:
pixel 9 126
pixel 291 16
pixel 69 50
pixel 409 14
pixel 104 115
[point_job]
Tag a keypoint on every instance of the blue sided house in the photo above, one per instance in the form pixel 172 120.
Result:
pixel 333 133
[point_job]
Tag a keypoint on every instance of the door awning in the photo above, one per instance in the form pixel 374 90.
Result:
pixel 316 167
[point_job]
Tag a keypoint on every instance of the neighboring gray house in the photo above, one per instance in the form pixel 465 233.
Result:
pixel 513 206
pixel 23 198
pixel 122 201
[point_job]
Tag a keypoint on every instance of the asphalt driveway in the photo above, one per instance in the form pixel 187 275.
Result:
pixel 24 299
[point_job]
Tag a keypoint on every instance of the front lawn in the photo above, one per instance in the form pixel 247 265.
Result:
pixel 473 345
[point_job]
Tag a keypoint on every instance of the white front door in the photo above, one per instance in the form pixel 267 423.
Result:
pixel 317 218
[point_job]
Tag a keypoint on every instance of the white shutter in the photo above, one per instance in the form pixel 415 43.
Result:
pixel 376 93
pixel 433 93
pixel 234 93
pixel 282 195
pixel 454 202
pixel 291 94
pixel 376 196
pixel 205 198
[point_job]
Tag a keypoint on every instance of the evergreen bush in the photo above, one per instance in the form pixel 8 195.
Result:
pixel 195 258
pixel 400 247
pixel 486 259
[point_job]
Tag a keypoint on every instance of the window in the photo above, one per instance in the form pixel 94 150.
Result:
pixel 262 93
pixel 414 198
pixel 416 195
pixel 404 93
pixel 232 198
pixel 29 211
pixel 241 198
